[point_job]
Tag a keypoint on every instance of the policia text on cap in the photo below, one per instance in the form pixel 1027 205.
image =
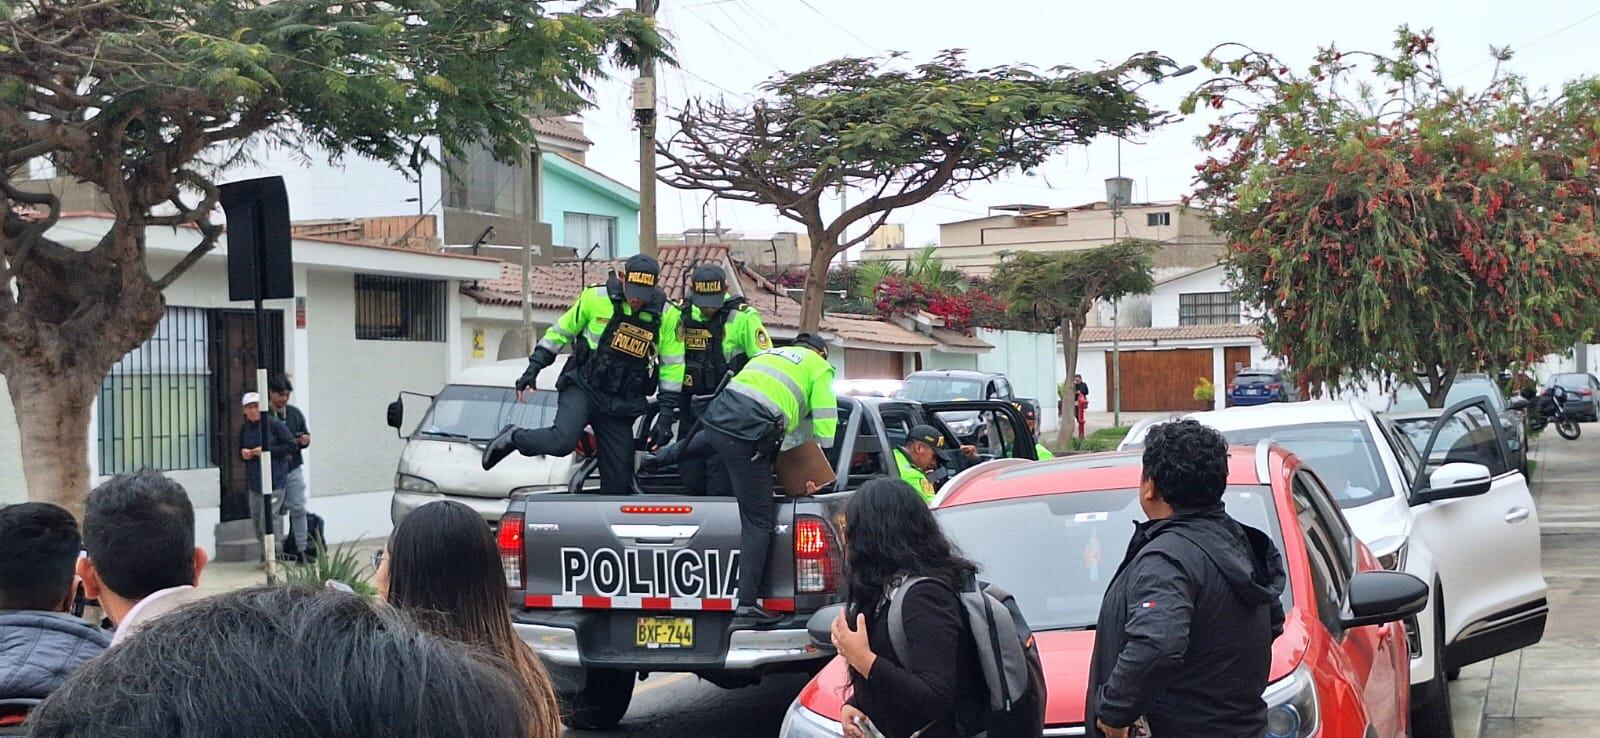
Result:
pixel 625 341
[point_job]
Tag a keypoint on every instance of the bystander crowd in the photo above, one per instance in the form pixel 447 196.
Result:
pixel 141 562
pixel 442 566
pixel 40 643
pixel 288 662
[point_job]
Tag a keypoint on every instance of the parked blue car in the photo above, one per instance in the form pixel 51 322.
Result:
pixel 1261 386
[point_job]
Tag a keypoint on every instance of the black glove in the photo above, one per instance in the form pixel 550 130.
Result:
pixel 541 358
pixel 661 434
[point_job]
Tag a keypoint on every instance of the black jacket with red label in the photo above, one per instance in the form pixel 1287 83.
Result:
pixel 1186 629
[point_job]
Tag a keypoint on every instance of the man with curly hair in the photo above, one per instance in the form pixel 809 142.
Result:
pixel 1184 641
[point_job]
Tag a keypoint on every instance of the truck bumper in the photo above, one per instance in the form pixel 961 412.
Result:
pixel 747 649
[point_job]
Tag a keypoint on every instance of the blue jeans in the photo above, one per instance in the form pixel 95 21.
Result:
pixel 294 503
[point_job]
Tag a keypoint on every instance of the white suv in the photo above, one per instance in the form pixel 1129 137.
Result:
pixel 1478 546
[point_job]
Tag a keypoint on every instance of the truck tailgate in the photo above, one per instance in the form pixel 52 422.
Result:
pixel 650 582
pixel 640 552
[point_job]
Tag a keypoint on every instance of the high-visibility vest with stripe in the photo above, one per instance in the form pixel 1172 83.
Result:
pixel 593 311
pixel 796 383
pixel 913 476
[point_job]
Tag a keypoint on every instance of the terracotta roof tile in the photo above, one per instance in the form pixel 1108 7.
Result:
pixel 561 128
pixel 1102 334
pixel 869 330
pixel 957 339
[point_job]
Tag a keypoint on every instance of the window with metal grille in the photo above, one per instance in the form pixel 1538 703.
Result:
pixel 1157 219
pixel 399 309
pixel 1208 308
pixel 155 404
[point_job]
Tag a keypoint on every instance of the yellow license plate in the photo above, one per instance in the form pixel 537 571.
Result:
pixel 664 632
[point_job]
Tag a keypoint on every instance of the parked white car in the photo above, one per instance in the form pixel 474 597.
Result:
pixel 443 454
pixel 1480 552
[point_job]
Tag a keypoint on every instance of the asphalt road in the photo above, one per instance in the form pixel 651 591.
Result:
pixel 683 705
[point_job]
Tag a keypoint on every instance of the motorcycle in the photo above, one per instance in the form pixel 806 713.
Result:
pixel 1549 407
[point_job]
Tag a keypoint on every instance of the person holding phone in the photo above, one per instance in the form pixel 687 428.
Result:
pixel 893 536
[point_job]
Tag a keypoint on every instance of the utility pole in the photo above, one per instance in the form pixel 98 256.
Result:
pixel 644 111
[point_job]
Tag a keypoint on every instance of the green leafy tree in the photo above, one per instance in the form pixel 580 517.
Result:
pixel 142 98
pixel 1389 224
pixel 898 135
pixel 1063 286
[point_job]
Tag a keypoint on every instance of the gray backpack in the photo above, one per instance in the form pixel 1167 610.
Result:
pixel 1007 654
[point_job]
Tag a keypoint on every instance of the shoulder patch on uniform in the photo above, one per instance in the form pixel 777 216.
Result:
pixel 763 341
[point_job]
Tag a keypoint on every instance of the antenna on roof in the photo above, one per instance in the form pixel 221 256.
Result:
pixel 583 266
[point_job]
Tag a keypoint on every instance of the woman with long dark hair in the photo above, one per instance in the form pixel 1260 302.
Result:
pixel 891 536
pixel 442 566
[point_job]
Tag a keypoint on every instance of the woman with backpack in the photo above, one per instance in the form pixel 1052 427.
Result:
pixel 893 537
pixel 442 567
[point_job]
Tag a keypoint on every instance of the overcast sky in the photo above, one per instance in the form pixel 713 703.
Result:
pixel 727 47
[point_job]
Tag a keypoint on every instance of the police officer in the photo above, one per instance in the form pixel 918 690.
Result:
pixel 720 333
pixel 918 456
pixel 622 334
pixel 1030 413
pixel 924 452
pixel 782 398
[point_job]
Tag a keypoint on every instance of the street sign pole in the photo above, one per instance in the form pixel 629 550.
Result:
pixel 269 518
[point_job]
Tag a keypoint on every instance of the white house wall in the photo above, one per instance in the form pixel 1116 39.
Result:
pixel 353 451
pixel 356 187
pixel 1029 361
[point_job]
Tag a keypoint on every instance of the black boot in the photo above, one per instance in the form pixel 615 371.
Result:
pixel 753 616
pixel 499 448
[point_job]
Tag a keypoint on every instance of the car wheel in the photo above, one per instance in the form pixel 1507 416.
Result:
pixel 1431 718
pixel 602 702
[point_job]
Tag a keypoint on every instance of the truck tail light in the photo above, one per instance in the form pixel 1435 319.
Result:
pixel 510 544
pixel 816 556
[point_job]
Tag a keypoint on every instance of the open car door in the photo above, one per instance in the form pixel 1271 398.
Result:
pixel 999 430
pixel 1472 505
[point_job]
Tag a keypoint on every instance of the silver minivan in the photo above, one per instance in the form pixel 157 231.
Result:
pixel 443 454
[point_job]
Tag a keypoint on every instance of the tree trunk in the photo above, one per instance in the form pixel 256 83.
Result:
pixel 1070 330
pixel 53 418
pixel 75 315
pixel 822 253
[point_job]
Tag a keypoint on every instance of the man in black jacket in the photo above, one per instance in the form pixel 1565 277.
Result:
pixel 1185 634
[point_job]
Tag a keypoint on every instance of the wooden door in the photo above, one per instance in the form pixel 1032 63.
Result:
pixel 1234 360
pixel 1161 381
pixel 233 366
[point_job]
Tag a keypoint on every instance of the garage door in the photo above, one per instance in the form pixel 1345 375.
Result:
pixel 865 364
pixel 1158 381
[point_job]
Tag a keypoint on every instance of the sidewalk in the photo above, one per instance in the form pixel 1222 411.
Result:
pixel 221 577
pixel 1553 688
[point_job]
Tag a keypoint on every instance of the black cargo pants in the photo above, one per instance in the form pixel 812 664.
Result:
pixel 707 475
pixel 575 408
pixel 751 479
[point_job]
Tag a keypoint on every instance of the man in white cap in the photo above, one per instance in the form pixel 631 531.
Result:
pixel 279 440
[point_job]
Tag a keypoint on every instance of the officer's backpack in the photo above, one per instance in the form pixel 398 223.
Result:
pixel 1007 655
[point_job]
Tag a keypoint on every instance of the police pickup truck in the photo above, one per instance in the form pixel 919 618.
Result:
pixel 610 589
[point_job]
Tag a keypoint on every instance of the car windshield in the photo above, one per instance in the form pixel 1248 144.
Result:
pixel 1570 381
pixel 1342 454
pixel 1407 398
pixel 1056 553
pixel 941 389
pixel 473 413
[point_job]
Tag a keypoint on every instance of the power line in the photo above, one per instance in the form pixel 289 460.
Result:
pixel 736 42
pixel 841 27
pixel 1539 40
